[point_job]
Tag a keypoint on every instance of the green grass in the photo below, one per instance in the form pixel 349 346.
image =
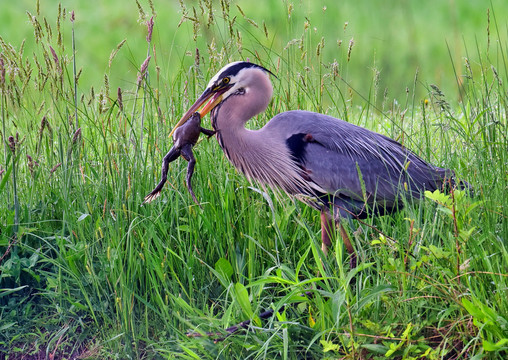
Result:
pixel 87 271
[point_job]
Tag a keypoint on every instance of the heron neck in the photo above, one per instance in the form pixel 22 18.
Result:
pixel 244 103
pixel 258 154
pixel 237 142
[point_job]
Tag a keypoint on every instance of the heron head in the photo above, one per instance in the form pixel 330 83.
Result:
pixel 231 79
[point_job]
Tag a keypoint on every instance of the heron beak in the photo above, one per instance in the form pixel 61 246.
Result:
pixel 210 97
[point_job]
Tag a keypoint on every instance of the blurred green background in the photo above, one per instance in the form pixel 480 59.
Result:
pixel 392 40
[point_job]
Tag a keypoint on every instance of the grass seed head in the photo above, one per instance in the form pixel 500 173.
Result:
pixel 119 99
pixel 142 15
pixel 211 19
pixel 55 56
pixel 58 27
pixel 149 25
pixel 49 32
pixel 115 51
pixel 488 29
pixel 196 58
pixel 43 125
pixel 2 72
pixel 143 69
pixel 37 27
pixel 496 75
pixel 76 137
pixel 78 74
pixel 31 164
pixel 53 169
pixel 152 8
pixel 106 85
pixel 350 47
pixel 12 144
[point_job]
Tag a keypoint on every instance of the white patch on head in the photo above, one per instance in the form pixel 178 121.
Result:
pixel 214 79
pixel 243 79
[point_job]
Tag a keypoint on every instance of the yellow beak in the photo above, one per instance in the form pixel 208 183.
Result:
pixel 213 97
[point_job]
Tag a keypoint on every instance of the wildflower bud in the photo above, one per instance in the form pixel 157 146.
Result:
pixel 149 25
pixel 72 16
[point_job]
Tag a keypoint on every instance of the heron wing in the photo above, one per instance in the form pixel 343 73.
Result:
pixel 353 163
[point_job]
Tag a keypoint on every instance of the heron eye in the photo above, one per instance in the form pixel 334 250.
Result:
pixel 226 80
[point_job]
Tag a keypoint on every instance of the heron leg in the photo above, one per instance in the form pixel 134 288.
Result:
pixel 189 156
pixel 172 155
pixel 326 231
pixel 347 244
pixel 326 234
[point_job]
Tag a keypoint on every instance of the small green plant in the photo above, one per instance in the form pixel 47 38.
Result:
pixel 457 206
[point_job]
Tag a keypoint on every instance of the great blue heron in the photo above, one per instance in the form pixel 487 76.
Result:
pixel 185 137
pixel 343 170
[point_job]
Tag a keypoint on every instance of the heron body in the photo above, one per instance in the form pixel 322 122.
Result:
pixel 341 169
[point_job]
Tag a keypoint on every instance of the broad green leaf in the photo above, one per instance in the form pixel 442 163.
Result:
pixel 438 197
pixel 242 297
pixel 375 348
pixel 500 345
pixel 224 271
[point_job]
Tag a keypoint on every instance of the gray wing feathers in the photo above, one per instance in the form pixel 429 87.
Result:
pixel 340 153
